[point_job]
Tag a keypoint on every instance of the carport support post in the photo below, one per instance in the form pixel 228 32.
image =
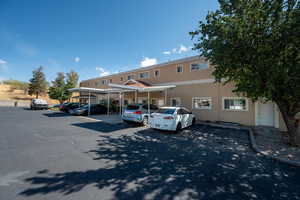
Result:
pixel 166 93
pixel 89 111
pixel 108 103
pixel 120 103
pixel 135 98
pixel 148 104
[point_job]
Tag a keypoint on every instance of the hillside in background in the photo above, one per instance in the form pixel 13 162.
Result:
pixel 7 92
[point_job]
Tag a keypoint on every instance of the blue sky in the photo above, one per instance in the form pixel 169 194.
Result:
pixel 94 37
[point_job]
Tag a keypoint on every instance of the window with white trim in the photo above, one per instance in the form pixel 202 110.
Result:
pixel 198 66
pixel 144 75
pixel 175 102
pixel 202 103
pixel 130 77
pixel 235 103
pixel 156 73
pixel 179 69
pixel 104 82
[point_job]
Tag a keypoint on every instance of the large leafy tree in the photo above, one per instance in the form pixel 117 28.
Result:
pixel 256 45
pixel 37 84
pixel 72 81
pixel 61 84
pixel 58 88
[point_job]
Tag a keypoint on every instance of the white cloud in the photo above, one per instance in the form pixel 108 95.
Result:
pixel 182 49
pixel 102 71
pixel 148 62
pixel 77 59
pixel 3 64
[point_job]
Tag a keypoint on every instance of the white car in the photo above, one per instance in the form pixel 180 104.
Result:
pixel 172 118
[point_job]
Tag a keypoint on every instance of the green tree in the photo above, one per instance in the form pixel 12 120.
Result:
pixel 256 45
pixel 58 89
pixel 72 81
pixel 38 83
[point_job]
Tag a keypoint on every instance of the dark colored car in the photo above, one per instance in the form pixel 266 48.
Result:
pixel 94 109
pixel 70 106
pixel 38 104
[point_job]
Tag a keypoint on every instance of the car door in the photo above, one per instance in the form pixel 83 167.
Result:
pixel 181 117
pixel 190 118
pixel 185 117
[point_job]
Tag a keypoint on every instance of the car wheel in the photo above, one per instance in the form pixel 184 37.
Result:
pixel 193 122
pixel 146 121
pixel 178 128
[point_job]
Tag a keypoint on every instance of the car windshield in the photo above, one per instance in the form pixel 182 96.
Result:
pixel 39 101
pixel 132 107
pixel 169 111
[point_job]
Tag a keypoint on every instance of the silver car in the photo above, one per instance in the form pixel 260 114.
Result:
pixel 138 113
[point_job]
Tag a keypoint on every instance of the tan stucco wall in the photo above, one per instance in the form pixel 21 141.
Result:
pixel 168 74
pixel 216 92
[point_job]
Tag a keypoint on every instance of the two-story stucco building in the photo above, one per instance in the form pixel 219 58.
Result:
pixel 187 82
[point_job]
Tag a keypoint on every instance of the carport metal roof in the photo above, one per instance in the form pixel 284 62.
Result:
pixel 142 89
pixel 94 90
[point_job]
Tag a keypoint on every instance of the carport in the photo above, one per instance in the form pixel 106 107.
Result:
pixel 148 89
pixel 92 91
pixel 121 89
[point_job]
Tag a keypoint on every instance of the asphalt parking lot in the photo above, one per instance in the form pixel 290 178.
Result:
pixel 49 155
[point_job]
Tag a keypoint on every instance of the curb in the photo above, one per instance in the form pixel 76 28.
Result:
pixel 253 144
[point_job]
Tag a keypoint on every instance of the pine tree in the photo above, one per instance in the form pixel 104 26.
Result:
pixel 38 83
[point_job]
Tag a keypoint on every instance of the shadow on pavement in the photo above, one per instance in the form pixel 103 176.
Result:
pixel 57 114
pixel 104 127
pixel 151 165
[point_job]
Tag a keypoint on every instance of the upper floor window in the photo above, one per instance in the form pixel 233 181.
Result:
pixel 104 82
pixel 121 79
pixel 198 66
pixel 156 73
pixel 144 75
pixel 129 77
pixel 179 69
pixel 235 103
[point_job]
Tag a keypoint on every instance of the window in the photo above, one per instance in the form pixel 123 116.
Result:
pixel 175 102
pixel 235 103
pixel 179 69
pixel 154 101
pixel 169 111
pixel 104 82
pixel 156 73
pixel 183 111
pixel 121 79
pixel 130 77
pixel 198 66
pixel 202 103
pixel 144 75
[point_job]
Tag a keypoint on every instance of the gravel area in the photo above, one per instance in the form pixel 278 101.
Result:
pixel 275 143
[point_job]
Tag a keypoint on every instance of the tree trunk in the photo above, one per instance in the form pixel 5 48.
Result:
pixel 292 125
